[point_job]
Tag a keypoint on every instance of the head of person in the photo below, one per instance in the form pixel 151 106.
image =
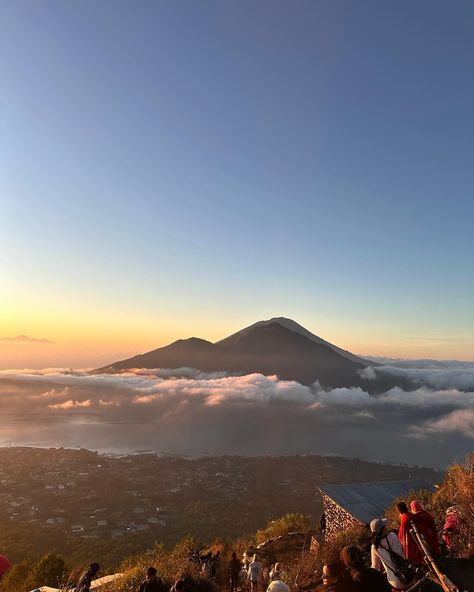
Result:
pixel 234 555
pixel 277 567
pixel 179 585
pixel 352 557
pixel 378 527
pixel 94 568
pixel 255 557
pixel 402 508
pixel 452 510
pixel 416 507
pixel 151 574
pixel 332 573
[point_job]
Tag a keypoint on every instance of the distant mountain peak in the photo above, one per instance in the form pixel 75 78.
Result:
pixel 277 346
pixel 292 325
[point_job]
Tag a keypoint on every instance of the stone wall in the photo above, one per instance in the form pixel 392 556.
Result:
pixel 337 519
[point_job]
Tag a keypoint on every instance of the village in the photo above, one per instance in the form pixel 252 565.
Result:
pixel 83 495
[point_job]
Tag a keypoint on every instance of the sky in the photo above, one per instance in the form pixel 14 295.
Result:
pixel 170 169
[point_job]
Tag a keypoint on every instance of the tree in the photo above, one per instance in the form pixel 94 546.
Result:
pixel 49 570
pixel 18 577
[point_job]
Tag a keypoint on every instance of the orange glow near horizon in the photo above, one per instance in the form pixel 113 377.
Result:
pixel 90 344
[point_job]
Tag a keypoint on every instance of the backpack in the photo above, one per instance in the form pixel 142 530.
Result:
pixel 404 570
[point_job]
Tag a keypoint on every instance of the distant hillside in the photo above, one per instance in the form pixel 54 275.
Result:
pixel 278 346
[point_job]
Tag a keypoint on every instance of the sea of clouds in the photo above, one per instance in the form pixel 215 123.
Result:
pixel 186 411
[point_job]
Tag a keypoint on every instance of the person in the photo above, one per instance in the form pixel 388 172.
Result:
pixel 151 583
pixel 323 523
pixel 410 548
pixel 335 578
pixel 235 567
pixel 278 586
pixel 214 563
pixel 365 579
pixel 451 528
pixel 276 573
pixel 4 565
pixel 255 573
pixel 178 586
pixel 426 525
pixel 384 545
pixel 85 581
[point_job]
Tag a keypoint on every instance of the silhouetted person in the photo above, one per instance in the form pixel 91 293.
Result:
pixel 84 583
pixel 365 579
pixel 178 586
pixel 235 567
pixel 151 582
pixel 335 578
pixel 322 523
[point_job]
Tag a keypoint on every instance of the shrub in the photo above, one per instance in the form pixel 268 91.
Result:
pixel 281 526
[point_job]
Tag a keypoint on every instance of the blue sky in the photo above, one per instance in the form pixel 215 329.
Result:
pixel 171 167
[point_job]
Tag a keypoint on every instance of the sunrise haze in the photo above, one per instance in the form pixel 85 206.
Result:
pixel 175 170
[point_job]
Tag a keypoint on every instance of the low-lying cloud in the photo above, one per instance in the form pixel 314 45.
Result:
pixel 191 412
pixel 25 339
pixel 443 374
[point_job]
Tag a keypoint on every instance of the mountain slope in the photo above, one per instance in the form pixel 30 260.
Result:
pixel 297 328
pixel 277 346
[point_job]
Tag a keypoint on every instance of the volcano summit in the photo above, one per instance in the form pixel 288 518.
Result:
pixel 278 346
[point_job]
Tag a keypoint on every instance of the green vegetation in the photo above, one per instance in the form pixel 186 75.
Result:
pixel 282 526
pixel 173 562
pixel 84 505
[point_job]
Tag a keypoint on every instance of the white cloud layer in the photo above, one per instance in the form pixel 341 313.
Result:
pixel 245 413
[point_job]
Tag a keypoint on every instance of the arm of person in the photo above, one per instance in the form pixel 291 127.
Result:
pixel 375 561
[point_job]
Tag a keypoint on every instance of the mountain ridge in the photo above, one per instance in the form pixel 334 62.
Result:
pixel 278 346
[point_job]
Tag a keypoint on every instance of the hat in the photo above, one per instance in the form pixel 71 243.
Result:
pixel 415 506
pixel 377 525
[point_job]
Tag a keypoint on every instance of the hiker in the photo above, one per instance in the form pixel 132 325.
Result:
pixel 276 573
pixel 151 583
pixel 255 573
pixel 410 548
pixel 178 586
pixel 365 579
pixel 323 523
pixel 278 586
pixel 214 563
pixel 4 565
pixel 451 528
pixel 85 581
pixel 387 555
pixel 335 578
pixel 235 567
pixel 426 525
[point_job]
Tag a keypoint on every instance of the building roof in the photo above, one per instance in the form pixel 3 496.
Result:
pixel 365 501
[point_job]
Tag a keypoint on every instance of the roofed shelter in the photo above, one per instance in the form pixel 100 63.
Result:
pixel 356 504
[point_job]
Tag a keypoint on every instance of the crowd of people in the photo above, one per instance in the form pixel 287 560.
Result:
pixel 397 558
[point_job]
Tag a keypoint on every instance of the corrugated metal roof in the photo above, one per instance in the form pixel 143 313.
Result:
pixel 366 501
